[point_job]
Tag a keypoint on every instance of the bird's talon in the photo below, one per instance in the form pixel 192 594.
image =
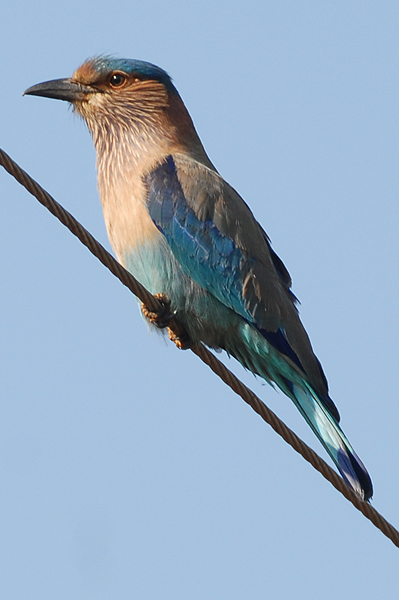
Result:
pixel 181 339
pixel 162 319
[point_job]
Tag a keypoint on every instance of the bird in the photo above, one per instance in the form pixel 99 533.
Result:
pixel 187 235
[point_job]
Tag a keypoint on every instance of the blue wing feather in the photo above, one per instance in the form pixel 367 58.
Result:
pixel 205 254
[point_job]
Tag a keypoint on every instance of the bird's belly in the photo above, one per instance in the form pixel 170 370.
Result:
pixel 205 318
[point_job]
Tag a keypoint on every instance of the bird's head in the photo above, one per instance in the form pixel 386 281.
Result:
pixel 105 82
pixel 116 96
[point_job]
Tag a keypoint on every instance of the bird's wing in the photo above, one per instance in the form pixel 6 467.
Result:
pixel 216 239
pixel 219 244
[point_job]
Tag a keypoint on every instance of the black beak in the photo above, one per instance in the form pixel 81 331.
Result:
pixel 61 89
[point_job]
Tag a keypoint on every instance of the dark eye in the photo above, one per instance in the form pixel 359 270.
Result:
pixel 117 79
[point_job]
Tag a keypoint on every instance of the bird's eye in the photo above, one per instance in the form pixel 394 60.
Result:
pixel 118 80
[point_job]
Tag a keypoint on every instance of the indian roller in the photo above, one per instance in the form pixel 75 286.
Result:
pixel 189 237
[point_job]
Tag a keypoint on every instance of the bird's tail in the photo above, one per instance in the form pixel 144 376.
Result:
pixel 318 411
pixel 333 439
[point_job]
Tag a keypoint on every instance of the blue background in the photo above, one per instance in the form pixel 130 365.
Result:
pixel 127 469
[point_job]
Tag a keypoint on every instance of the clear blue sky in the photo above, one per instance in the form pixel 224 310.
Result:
pixel 127 470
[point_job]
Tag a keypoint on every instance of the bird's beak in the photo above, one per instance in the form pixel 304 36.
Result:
pixel 61 89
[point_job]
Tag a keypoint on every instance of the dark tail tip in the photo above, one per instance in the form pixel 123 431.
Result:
pixel 363 477
pixel 355 474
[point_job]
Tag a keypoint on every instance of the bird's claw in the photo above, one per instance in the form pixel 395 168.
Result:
pixel 180 338
pixel 177 334
pixel 162 319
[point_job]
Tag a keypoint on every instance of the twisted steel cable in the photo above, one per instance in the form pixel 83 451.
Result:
pixel 154 305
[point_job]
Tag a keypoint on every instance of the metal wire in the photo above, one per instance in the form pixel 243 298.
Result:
pixel 199 349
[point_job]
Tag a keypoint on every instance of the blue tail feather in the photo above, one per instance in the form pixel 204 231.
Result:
pixel 271 364
pixel 333 439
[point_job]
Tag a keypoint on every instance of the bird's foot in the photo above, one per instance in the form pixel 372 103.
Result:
pixel 177 334
pixel 180 337
pixel 162 319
